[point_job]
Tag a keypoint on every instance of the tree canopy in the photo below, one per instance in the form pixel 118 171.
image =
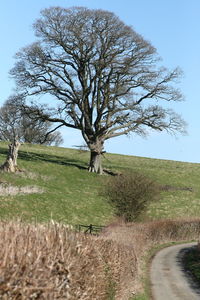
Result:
pixel 106 78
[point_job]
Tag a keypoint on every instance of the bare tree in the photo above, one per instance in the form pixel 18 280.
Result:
pixel 10 165
pixel 17 127
pixel 16 124
pixel 105 76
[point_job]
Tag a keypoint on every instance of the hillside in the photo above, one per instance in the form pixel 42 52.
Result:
pixel 52 262
pixel 54 184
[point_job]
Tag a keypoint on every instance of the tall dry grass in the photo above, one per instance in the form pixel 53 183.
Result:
pixel 52 262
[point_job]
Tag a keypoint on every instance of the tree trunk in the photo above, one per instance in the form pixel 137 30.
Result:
pixel 95 162
pixel 96 149
pixel 10 164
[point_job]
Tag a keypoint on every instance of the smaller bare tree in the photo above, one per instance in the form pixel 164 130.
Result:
pixel 17 127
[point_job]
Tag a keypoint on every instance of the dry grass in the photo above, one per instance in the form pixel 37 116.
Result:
pixel 8 189
pixel 53 262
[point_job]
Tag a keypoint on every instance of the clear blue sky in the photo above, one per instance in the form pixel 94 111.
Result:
pixel 172 26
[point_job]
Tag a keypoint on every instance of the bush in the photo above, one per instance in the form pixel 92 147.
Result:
pixel 131 194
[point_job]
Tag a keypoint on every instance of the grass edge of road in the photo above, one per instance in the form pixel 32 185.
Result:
pixel 191 262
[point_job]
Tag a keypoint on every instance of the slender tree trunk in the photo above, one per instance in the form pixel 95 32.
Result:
pixel 10 164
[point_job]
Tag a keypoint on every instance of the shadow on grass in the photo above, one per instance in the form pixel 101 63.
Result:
pixel 32 156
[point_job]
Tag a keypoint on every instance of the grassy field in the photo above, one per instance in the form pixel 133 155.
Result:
pixel 54 184
pixel 67 192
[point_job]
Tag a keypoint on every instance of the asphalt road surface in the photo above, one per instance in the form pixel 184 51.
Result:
pixel 168 279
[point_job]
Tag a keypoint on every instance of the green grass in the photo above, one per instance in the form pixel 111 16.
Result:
pixel 140 297
pixel 71 194
pixel 192 263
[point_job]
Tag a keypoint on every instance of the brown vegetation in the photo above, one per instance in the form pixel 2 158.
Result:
pixel 130 194
pixel 52 262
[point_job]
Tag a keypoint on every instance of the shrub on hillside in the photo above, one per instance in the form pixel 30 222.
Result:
pixel 130 194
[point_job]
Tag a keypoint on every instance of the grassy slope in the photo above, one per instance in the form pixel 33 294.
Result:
pixel 71 193
pixel 192 264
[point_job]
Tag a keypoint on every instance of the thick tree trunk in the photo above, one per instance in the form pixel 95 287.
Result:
pixel 96 150
pixel 95 162
pixel 10 164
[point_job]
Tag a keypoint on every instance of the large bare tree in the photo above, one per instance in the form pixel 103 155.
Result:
pixel 106 78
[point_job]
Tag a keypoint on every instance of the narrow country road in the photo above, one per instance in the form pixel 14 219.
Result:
pixel 168 279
